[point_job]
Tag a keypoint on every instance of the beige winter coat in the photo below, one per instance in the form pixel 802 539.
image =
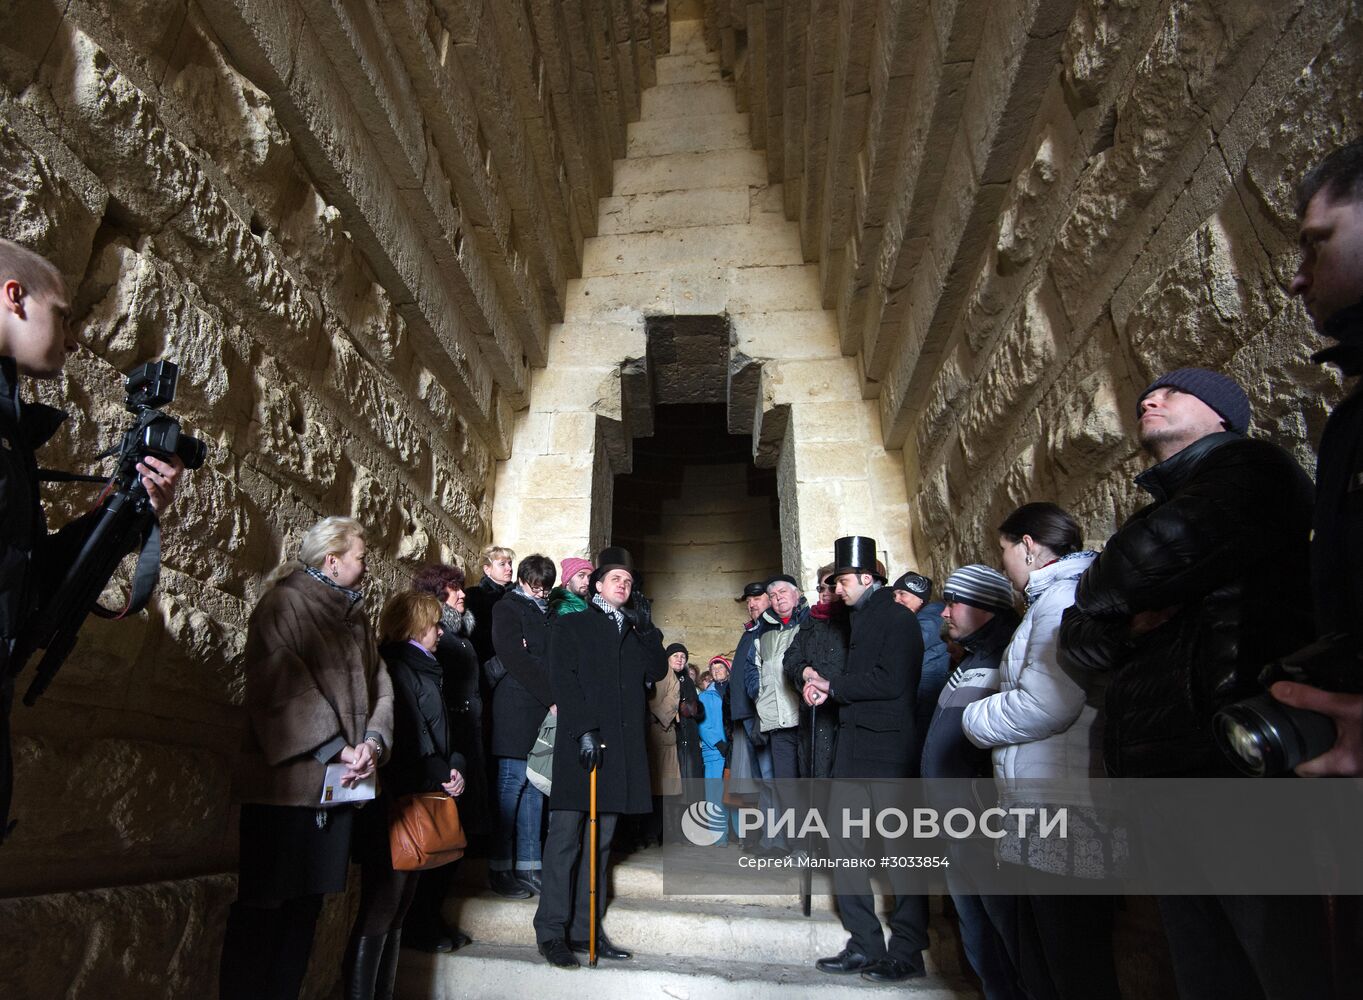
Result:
pixel 662 735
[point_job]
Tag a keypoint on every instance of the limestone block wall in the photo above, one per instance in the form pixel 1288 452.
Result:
pixel 694 228
pixel 351 225
pixel 1023 211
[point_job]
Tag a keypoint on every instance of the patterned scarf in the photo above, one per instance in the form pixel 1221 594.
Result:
pixel 355 595
pixel 616 614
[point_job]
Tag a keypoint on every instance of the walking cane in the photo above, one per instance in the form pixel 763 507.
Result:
pixel 807 876
pixel 591 923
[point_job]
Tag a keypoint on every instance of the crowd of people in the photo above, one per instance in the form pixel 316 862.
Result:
pixel 1064 661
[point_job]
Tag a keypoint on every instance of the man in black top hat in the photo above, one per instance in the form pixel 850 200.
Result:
pixel 599 661
pixel 876 698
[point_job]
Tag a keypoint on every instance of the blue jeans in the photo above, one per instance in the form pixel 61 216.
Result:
pixel 520 806
pixel 714 787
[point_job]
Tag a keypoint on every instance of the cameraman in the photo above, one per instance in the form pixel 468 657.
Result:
pixel 1330 281
pixel 35 339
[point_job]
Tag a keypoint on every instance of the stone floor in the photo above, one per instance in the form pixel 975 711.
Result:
pixel 746 947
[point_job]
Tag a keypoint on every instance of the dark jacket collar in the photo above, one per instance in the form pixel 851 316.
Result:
pixel 493 587
pixel 1345 326
pixel 1163 480
pixel 993 636
pixel 32 424
pixel 417 660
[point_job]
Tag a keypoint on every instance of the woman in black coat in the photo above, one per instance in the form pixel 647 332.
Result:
pixel 423 760
pixel 520 701
pixel 425 928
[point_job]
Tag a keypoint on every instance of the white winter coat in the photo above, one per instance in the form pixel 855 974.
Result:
pixel 1041 722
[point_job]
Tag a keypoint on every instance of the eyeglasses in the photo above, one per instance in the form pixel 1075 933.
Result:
pixel 825 586
pixel 539 591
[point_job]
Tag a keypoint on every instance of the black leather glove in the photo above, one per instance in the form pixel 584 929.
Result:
pixel 589 749
pixel 643 612
pixel 723 747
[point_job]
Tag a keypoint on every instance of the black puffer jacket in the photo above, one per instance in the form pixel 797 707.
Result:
pixel 821 643
pixel 1224 546
pixel 1337 541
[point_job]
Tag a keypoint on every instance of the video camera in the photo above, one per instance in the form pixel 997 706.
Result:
pixel 123 521
pixel 1262 736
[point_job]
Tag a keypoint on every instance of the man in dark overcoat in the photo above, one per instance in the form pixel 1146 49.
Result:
pixel 599 661
pixel 876 739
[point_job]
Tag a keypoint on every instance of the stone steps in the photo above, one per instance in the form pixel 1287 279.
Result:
pixel 495 972
pixel 736 926
pixel 725 945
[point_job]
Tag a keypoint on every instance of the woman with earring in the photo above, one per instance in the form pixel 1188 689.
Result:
pixel 423 760
pixel 316 694
pixel 1041 725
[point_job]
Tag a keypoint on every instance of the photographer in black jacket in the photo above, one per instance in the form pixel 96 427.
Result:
pixel 36 337
pixel 1330 281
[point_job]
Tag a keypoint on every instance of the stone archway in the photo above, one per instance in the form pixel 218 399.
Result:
pixel 694 229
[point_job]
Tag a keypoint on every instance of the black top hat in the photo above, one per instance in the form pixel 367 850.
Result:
pixel 856 554
pixel 609 558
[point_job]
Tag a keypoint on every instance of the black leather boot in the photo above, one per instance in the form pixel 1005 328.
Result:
pixel 388 967
pixel 360 969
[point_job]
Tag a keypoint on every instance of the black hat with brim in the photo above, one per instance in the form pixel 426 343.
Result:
pixel 756 588
pixel 784 578
pixel 856 554
pixel 609 558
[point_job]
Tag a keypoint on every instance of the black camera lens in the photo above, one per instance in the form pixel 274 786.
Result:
pixel 1264 737
pixel 191 450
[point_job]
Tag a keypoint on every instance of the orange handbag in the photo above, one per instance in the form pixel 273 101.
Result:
pixel 424 831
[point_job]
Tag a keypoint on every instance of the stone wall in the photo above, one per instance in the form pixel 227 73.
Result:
pixel 351 225
pixel 1022 211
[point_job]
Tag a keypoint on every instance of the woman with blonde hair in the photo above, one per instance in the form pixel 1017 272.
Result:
pixel 316 694
pixel 423 760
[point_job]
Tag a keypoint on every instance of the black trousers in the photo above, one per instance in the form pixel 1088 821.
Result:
pixel 908 919
pixel 565 900
pixel 1248 947
pixel 266 949
pixel 1066 943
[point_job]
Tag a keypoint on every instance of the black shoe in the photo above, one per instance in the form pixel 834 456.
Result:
pixel 506 884
pixel 459 938
pixel 557 954
pixel 844 961
pixel 893 970
pixel 604 949
pixel 530 878
pixel 437 944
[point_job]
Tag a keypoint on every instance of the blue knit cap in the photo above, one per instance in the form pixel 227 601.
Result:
pixel 1222 394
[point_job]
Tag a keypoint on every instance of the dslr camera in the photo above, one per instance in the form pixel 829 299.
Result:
pixel 123 521
pixel 1262 736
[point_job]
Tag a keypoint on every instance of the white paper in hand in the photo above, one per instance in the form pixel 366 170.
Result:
pixel 335 794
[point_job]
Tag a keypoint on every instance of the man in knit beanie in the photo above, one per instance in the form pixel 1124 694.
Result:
pixel 979 614
pixel 571 594
pixel 1179 613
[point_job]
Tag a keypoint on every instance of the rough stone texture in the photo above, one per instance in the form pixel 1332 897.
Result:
pixel 1056 201
pixel 352 233
pixel 407 253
